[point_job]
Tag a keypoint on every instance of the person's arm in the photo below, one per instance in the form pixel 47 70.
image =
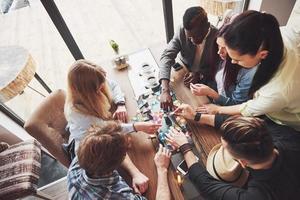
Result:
pixel 147 127
pixel 162 161
pixel 139 180
pixel 215 189
pixel 169 55
pixel 117 94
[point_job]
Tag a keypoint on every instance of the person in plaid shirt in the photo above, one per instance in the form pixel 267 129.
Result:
pixel 93 175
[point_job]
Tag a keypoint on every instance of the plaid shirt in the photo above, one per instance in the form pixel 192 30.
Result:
pixel 80 186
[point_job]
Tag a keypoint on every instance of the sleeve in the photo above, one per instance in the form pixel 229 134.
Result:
pixel 127 128
pixel 169 55
pixel 215 189
pixel 263 104
pixel 117 94
pixel 139 197
pixel 241 90
pixel 219 120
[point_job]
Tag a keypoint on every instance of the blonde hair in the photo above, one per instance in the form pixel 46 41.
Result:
pixel 84 80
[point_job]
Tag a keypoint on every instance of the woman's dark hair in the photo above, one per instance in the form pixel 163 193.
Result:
pixel 230 70
pixel 195 17
pixel 247 138
pixel 251 31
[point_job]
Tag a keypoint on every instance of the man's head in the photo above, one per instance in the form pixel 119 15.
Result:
pixel 102 150
pixel 196 24
pixel 247 140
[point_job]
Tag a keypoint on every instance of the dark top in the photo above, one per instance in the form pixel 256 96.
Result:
pixel 281 182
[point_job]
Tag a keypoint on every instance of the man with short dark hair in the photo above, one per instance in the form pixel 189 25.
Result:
pixel 193 40
pixel 273 167
pixel 93 175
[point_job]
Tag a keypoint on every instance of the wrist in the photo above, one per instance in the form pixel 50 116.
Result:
pixel 213 94
pixel 162 170
pixel 134 172
pixel 134 126
pixel 186 147
pixel 197 116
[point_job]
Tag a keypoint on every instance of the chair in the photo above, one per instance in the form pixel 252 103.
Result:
pixel 20 166
pixel 47 125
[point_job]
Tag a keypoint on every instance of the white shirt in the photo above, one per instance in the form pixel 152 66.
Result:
pixel 279 99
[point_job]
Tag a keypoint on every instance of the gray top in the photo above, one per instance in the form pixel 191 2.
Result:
pixel 186 49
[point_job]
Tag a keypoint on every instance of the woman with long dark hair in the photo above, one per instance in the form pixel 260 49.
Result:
pixel 232 81
pixel 254 38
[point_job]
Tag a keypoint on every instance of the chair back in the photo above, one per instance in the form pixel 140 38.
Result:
pixel 47 124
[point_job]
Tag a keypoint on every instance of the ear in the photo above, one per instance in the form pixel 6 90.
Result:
pixel 263 54
pixel 243 163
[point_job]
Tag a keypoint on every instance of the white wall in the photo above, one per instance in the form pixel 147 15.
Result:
pixel 255 5
pixel 281 9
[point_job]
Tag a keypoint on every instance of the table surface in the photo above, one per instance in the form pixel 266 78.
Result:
pixel 142 151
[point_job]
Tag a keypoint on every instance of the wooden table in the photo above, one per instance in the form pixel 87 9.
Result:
pixel 142 151
pixel 204 137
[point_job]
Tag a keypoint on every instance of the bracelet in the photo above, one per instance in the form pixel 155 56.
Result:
pixel 120 103
pixel 185 148
pixel 197 117
pixel 133 125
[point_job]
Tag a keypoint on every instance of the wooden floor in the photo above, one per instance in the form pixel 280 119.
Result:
pixel 132 24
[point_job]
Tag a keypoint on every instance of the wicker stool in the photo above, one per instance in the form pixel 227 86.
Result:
pixel 20 166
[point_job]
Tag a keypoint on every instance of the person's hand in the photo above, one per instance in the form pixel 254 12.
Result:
pixel 191 77
pixel 147 127
pixel 162 158
pixel 166 102
pixel 186 111
pixel 176 138
pixel 140 183
pixel 121 114
pixel 208 109
pixel 200 90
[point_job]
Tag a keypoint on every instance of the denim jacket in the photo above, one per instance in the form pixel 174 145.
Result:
pixel 238 93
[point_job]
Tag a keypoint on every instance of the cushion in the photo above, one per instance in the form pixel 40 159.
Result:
pixel 20 166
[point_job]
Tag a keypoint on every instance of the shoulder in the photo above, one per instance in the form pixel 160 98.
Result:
pixel 247 71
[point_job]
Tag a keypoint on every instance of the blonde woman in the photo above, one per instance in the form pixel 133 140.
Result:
pixel 91 100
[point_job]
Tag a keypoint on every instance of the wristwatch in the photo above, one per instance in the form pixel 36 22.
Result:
pixel 197 117
pixel 120 103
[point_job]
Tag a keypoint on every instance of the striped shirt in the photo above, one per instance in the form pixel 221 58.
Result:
pixel 80 186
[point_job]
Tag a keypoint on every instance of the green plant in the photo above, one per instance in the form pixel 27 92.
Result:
pixel 114 46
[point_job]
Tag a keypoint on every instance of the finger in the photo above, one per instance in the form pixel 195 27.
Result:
pixel 114 115
pixel 169 153
pixel 136 189
pixel 160 148
pixel 165 151
pixel 178 110
pixel 123 117
pixel 174 130
pixel 142 188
